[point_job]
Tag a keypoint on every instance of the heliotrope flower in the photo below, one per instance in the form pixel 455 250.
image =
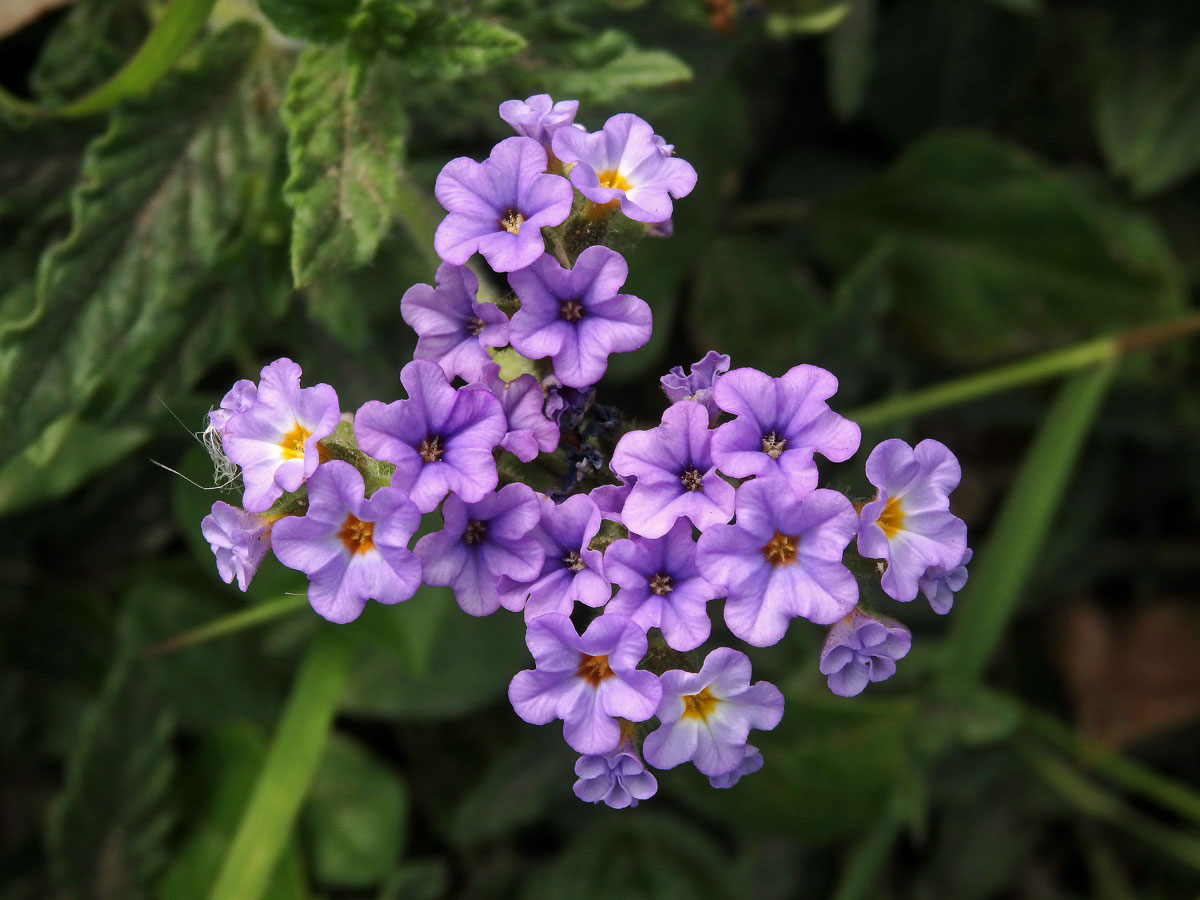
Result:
pixel 529 431
pixel 239 398
pixel 675 472
pixel 566 405
pixel 751 762
pixel 499 206
pixel 661 587
pixel 610 498
pixel 352 548
pixel 440 439
pixel 575 316
pixel 479 543
pixel 239 541
pixel 618 779
pixel 588 681
pixel 909 524
pixel 570 571
pixel 452 328
pixel 707 715
pixel 538 117
pixel 623 163
pixel 860 649
pixel 698 383
pixel 940 585
pixel 275 439
pixel 780 423
pixel 782 558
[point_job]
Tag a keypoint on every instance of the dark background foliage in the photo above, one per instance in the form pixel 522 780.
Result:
pixel 903 191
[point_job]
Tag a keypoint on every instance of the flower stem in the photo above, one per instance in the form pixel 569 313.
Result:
pixel 235 622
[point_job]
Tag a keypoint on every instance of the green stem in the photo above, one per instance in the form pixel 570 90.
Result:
pixel 1002 569
pixel 287 770
pixel 1027 371
pixel 230 624
pixel 1115 767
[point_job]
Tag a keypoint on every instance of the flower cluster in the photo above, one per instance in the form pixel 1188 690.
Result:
pixel 614 565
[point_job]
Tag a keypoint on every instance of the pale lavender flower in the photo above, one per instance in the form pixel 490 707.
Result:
pixel 940 585
pixel 782 558
pixel 538 117
pixel 575 316
pixel 750 764
pixel 274 440
pixel 352 548
pixel 500 206
pixel 238 399
pixel 623 163
pixel 618 778
pixel 675 472
pixel 440 439
pixel 698 383
pixel 587 681
pixel 860 649
pixel 479 543
pixel 239 541
pixel 780 423
pixel 452 328
pixel 570 571
pixel 529 431
pixel 707 715
pixel 909 524
pixel 661 587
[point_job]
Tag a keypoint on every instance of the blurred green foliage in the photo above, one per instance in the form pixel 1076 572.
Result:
pixel 903 191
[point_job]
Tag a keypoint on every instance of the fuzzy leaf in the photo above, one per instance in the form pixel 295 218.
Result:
pixel 449 47
pixel 324 21
pixel 606 67
pixel 346 133
pixel 163 194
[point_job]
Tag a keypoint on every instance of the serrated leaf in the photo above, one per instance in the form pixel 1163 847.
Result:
pixel 450 47
pixel 107 830
pixel 995 254
pixel 346 132
pixel 609 65
pixel 355 818
pixel 87 47
pixel 164 191
pixel 323 21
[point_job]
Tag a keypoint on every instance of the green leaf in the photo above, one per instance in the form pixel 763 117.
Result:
pixel 799 17
pixel 851 58
pixel 164 192
pixel 323 21
pixel 418 880
pixel 346 132
pixel 448 47
pixel 517 789
pixel 1001 570
pixel 606 67
pixel 108 828
pixel 227 765
pixel 993 254
pixel 355 817
pixel 1148 116
pixel 87 47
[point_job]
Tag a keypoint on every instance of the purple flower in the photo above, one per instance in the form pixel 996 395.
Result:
pixel 499 206
pixel 239 541
pixel 782 558
pixel 440 439
pixel 479 543
pixel 661 587
pixel 862 648
pixel 239 399
pixel 575 316
pixel 623 163
pixel 352 549
pixel 452 329
pixel 570 571
pixel 529 431
pixel 750 764
pixel 940 585
pixel 780 423
pixel 909 524
pixel 676 475
pixel 538 117
pixel 587 681
pixel 698 383
pixel 275 439
pixel 707 715
pixel 618 778
pixel 610 498
pixel 566 405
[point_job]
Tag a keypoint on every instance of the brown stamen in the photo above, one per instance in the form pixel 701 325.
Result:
pixel 573 561
pixel 511 221
pixel 356 534
pixel 475 325
pixel 692 480
pixel 594 669
pixel 571 310
pixel 780 550
pixel 661 584
pixel 773 444
pixel 430 449
pixel 474 532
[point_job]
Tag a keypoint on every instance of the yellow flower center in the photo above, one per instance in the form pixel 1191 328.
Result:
pixel 511 221
pixel 611 178
pixel 699 706
pixel 594 669
pixel 780 550
pixel 891 520
pixel 356 534
pixel 293 442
